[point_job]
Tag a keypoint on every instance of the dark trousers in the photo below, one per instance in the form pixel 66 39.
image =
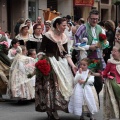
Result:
pixel 107 53
pixel 98 83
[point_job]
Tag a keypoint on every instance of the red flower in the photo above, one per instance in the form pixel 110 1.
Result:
pixel 95 61
pixel 43 66
pixel 102 37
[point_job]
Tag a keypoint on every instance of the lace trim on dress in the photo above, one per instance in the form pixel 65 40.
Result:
pixel 36 38
pixel 20 37
pixel 50 35
pixel 117 63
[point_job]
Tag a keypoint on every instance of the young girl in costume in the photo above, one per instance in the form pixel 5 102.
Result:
pixel 112 86
pixel 32 54
pixel 20 86
pixel 84 94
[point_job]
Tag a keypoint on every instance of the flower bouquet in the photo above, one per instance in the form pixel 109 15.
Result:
pixel 43 68
pixel 94 65
pixel 103 43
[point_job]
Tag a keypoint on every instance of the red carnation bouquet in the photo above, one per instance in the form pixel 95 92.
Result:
pixel 102 37
pixel 94 64
pixel 43 66
pixel 103 41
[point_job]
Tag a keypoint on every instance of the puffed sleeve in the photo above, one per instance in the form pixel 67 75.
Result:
pixel 107 70
pixel 77 77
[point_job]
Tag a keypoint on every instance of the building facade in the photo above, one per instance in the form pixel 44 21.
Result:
pixel 107 10
pixel 12 10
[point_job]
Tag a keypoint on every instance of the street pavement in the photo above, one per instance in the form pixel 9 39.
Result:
pixel 11 110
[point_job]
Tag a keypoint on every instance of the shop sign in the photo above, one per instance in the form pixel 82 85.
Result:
pixel 84 3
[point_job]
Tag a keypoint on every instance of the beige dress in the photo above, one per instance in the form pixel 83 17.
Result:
pixel 19 85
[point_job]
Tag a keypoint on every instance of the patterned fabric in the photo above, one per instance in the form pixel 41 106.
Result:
pixel 48 95
pixel 63 72
pixel 4 72
pixel 111 104
pixel 80 33
pixel 12 53
pixel 19 85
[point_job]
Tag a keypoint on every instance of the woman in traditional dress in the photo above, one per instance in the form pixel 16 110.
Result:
pixel 47 25
pixel 112 86
pixel 28 22
pixel 36 39
pixel 20 86
pixel 23 35
pixel 5 63
pixel 53 94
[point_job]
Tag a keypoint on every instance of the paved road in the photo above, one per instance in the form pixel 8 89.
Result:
pixel 11 110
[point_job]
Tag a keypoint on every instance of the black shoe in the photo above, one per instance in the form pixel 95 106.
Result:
pixel 88 115
pixel 50 116
pixel 82 118
pixel 55 117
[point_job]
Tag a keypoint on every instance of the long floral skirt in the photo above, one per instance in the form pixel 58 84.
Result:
pixel 51 92
pixel 111 100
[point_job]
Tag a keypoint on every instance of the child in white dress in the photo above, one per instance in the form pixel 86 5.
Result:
pixel 84 94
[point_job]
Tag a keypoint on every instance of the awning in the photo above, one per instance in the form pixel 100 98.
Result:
pixel 116 1
pixel 84 3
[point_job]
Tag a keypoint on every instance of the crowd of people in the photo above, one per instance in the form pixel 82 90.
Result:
pixel 63 65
